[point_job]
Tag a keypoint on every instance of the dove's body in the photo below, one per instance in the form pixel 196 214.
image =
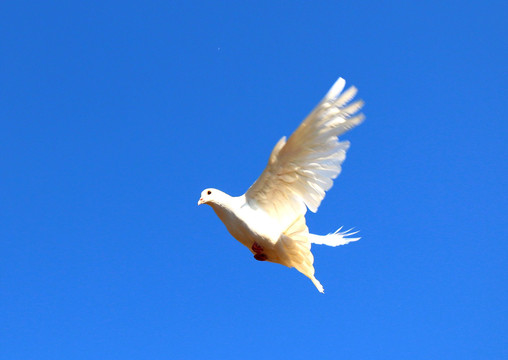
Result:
pixel 245 224
pixel 269 218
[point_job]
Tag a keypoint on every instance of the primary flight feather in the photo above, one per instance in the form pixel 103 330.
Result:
pixel 269 218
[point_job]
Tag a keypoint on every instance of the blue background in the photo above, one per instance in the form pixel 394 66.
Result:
pixel 115 115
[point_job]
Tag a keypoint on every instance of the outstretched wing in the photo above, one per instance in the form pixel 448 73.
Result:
pixel 301 170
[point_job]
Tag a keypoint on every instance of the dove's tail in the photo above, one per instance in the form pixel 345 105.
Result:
pixel 293 249
pixel 335 239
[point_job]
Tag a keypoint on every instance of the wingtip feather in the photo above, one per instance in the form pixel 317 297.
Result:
pixel 336 88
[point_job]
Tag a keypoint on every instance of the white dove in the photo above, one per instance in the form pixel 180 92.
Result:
pixel 269 218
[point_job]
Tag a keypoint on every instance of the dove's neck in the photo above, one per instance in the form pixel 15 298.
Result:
pixel 226 207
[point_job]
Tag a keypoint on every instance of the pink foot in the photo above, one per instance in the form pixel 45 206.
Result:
pixel 260 257
pixel 258 249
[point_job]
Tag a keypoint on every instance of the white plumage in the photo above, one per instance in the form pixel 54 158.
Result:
pixel 269 218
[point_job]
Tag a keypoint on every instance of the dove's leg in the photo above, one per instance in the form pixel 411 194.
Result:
pixel 258 249
pixel 261 257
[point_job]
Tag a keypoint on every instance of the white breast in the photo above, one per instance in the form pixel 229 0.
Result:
pixel 248 225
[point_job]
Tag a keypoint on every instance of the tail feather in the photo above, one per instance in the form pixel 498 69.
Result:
pixel 335 239
pixel 293 250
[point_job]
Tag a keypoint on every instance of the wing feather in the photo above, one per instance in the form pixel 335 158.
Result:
pixel 301 169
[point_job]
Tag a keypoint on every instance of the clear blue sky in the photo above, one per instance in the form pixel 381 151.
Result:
pixel 115 115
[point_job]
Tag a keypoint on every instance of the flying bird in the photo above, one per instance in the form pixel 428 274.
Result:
pixel 269 219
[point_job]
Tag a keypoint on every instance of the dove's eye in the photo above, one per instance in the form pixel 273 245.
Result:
pixel 209 192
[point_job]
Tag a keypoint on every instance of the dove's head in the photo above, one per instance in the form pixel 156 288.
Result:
pixel 210 196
